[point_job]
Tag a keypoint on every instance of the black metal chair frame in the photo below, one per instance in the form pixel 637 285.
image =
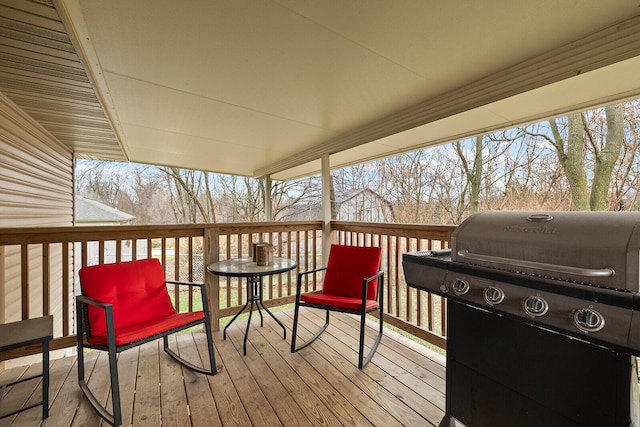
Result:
pixel 362 360
pixel 83 333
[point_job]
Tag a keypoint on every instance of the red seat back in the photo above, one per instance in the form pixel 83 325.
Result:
pixel 346 268
pixel 136 289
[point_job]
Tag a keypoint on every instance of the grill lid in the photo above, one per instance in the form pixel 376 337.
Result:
pixel 595 248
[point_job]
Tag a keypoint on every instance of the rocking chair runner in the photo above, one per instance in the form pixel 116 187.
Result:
pixel 127 304
pixel 352 284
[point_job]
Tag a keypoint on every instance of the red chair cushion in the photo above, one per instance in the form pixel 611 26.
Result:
pixel 338 301
pixel 347 267
pixel 138 292
pixel 149 328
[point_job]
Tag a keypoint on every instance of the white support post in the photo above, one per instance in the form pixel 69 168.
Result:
pixel 268 206
pixel 326 208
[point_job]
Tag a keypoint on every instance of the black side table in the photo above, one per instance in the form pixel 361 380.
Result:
pixel 246 267
pixel 21 334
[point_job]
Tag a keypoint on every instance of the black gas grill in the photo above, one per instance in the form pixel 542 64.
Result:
pixel 543 318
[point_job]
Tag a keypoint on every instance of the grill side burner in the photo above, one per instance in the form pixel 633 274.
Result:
pixel 544 317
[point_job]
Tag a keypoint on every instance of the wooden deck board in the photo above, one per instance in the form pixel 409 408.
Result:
pixel 275 381
pixel 255 403
pixel 398 399
pixel 319 385
pixel 196 388
pixel 228 405
pixel 298 371
pixel 387 372
pixel 174 410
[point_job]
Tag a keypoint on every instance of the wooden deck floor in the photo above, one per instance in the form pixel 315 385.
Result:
pixel 320 385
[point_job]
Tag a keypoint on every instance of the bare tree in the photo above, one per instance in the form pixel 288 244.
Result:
pixel 287 196
pixel 626 179
pixel 101 181
pixel 588 151
pixel 185 187
pixel 473 173
pixel 407 181
pixel 150 205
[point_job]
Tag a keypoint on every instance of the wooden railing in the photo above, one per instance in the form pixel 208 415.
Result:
pixel 40 267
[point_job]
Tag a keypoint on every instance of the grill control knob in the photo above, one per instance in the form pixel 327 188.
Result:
pixel 588 320
pixel 460 287
pixel 535 306
pixel 493 295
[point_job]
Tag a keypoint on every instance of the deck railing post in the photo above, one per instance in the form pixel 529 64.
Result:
pixel 211 254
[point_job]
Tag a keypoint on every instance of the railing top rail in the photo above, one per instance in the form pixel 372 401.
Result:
pixel 425 231
pixel 69 234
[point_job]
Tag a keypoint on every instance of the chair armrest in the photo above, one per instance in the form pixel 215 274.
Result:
pixel 304 273
pixel 192 284
pixel 90 301
pixel 82 303
pixel 365 282
pixel 312 271
pixel 370 278
pixel 203 293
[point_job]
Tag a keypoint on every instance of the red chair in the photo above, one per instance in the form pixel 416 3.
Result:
pixel 353 283
pixel 124 305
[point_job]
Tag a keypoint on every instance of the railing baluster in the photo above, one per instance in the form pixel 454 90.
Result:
pixel 46 279
pixel 163 255
pixel 280 250
pixel 118 250
pixel 176 269
pixel 101 251
pixel 66 289
pixel 24 268
pixel 134 249
pixel 190 277
pixel 289 274
pixel 270 277
pixel 84 254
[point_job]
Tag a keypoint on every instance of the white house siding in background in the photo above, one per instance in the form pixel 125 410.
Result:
pixel 357 205
pixel 364 205
pixel 90 212
pixel 36 189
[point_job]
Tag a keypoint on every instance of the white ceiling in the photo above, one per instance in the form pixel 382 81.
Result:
pixel 259 87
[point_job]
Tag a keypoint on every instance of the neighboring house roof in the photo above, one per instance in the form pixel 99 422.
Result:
pixel 90 211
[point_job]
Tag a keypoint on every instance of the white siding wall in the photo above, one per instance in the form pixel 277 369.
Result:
pixel 36 189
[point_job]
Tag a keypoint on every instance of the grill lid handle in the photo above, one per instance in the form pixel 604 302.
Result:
pixel 539 217
pixel 565 269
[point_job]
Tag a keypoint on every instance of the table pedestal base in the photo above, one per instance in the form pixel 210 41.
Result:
pixel 254 298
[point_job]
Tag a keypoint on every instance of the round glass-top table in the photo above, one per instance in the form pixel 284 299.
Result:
pixel 246 267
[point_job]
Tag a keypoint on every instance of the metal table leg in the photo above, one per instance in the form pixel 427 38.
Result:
pixel 261 303
pixel 254 297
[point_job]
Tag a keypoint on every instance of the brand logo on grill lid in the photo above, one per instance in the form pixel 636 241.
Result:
pixel 531 230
